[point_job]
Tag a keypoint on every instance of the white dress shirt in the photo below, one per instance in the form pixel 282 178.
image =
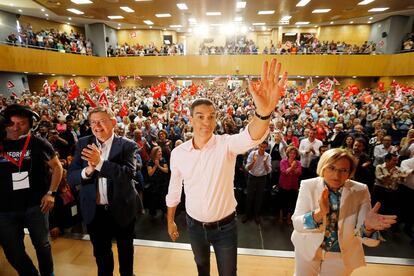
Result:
pixel 105 149
pixel 305 156
pixel 408 167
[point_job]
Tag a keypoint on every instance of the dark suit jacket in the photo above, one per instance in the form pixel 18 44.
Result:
pixel 339 138
pixel 119 170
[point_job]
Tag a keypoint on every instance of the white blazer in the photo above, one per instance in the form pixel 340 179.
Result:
pixel 355 203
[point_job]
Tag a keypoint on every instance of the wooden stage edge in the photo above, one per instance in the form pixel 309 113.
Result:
pixel 74 256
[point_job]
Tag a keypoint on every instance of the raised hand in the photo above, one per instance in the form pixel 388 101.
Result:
pixel 375 221
pixel 267 92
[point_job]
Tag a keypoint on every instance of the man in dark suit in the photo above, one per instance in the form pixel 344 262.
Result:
pixel 337 137
pixel 104 168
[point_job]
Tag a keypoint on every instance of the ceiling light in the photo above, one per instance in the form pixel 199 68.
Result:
pixel 46 14
pixel 127 9
pixel 241 5
pixel 42 10
pixel 331 22
pixel 286 18
pixel 302 23
pixel 20 10
pixel 182 6
pixel 302 3
pixel 321 10
pixel 81 2
pixel 11 5
pixel 67 23
pixel 119 24
pixel 73 75
pixel 134 27
pixel 371 18
pixel 316 26
pixel 150 27
pixel 175 26
pixel 213 13
pixel 351 22
pixel 119 28
pixel 243 29
pixel 365 2
pixel 369 22
pixel 69 18
pixel 259 24
pixel 75 11
pixel 378 9
pixel 354 77
pixel 284 22
pixel 192 20
pixel 53 74
pixel 40 73
pixel 163 15
pixel 115 17
pixel 266 12
pixel 148 22
pixel 289 34
pixel 164 29
pixel 238 19
pixel 263 28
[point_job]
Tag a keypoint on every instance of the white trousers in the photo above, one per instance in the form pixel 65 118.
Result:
pixel 323 264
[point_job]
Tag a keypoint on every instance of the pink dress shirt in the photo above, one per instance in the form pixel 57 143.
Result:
pixel 289 181
pixel 207 175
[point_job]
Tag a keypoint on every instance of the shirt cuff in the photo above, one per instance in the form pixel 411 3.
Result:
pixel 99 166
pixel 83 174
pixel 309 222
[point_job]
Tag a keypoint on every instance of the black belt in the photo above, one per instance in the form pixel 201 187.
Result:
pixel 215 224
pixel 103 206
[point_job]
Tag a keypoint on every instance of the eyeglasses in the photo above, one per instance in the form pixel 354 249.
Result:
pixel 96 122
pixel 332 169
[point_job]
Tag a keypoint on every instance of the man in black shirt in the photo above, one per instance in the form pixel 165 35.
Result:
pixel 26 197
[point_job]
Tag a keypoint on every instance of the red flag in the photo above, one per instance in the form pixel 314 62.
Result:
pixel 122 78
pixel 388 102
pixel 124 110
pixel 46 88
pixel 152 88
pixel 10 84
pixel 102 80
pixel 74 93
pixel 54 86
pixel 336 95
pixel 394 83
pixel 325 85
pixel 112 86
pixel 92 84
pixel 193 89
pixel 98 89
pixel 335 81
pixel 368 98
pixel 157 93
pixel 103 100
pixel 88 98
pixel 177 106
pixel 381 86
pixel 305 97
pixel 137 78
pixel 71 82
pixel 14 94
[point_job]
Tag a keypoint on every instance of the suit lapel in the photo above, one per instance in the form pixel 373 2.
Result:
pixel 115 147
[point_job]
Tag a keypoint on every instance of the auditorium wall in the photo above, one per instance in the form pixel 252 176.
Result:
pixel 8 25
pixel 144 37
pixel 352 34
pixel 19 80
pixel 39 24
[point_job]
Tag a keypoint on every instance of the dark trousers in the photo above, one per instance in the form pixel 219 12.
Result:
pixel 12 241
pixel 254 198
pixel 407 205
pixel 224 241
pixel 288 200
pixel 102 230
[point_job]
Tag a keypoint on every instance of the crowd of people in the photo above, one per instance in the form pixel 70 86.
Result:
pixel 51 39
pixel 240 46
pixel 151 49
pixel 408 43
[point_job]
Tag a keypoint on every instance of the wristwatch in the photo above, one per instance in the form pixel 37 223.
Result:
pixel 51 193
pixel 262 117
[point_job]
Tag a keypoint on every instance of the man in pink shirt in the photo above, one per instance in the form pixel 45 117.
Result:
pixel 205 164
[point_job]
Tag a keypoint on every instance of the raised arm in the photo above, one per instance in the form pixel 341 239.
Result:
pixel 266 96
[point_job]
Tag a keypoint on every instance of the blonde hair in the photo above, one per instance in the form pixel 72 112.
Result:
pixel 331 156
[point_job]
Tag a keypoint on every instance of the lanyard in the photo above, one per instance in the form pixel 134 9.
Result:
pixel 14 162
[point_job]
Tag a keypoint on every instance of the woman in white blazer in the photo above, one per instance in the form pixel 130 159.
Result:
pixel 333 218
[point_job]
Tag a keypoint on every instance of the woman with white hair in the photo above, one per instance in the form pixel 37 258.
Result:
pixel 333 218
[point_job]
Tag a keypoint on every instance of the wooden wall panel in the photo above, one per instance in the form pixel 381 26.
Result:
pixel 17 59
pixel 39 24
